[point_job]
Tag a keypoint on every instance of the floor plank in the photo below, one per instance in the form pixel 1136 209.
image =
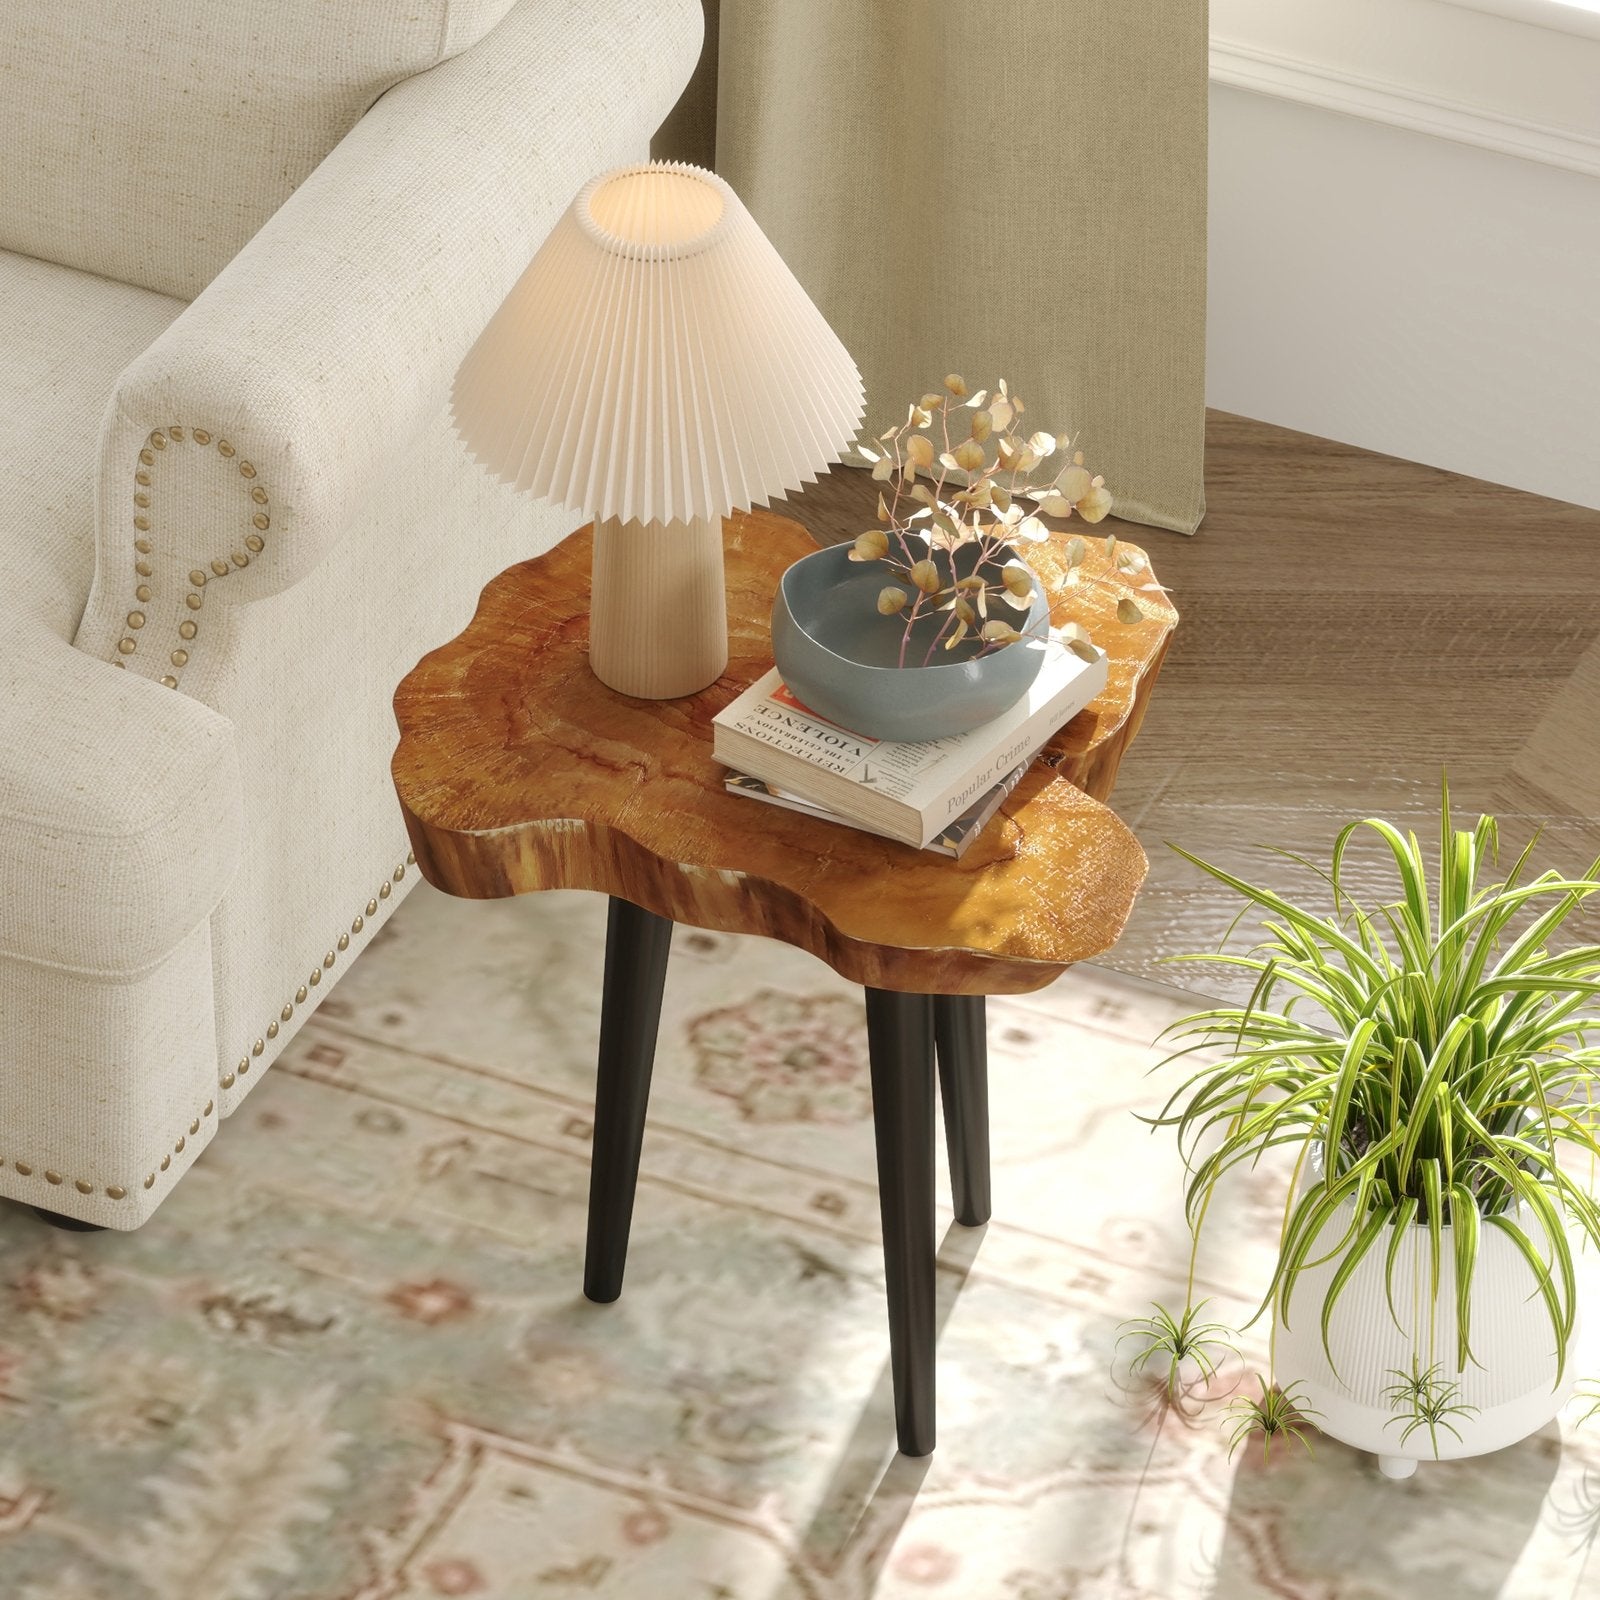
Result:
pixel 1353 625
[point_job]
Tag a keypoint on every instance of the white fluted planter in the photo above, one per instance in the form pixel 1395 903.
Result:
pixel 1512 1380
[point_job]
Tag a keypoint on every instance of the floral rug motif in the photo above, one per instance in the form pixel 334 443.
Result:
pixel 350 1359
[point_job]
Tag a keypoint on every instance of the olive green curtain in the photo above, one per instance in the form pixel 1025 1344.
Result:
pixel 1013 190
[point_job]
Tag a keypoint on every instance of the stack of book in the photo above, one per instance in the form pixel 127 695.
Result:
pixel 935 795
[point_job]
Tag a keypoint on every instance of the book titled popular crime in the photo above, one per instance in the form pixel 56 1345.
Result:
pixel 908 791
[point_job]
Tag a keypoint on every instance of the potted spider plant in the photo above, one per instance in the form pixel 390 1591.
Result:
pixel 1428 1064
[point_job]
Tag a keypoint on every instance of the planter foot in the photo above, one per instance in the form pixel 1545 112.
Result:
pixel 1397 1466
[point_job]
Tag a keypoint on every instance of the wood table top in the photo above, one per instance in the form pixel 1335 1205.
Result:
pixel 518 770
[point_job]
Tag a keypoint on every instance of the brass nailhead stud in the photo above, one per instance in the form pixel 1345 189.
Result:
pixel 329 959
pixel 187 630
pixel 272 1030
pixel 175 433
pixel 244 1067
pixel 142 523
pixel 193 601
pixel 384 892
pixel 180 658
pixel 194 1127
pixel 141 476
pixel 224 448
pixel 259 495
pixel 344 941
pixel 52 1177
pixel 158 441
pixel 119 663
pixel 358 925
pixel 227 1080
pixel 141 499
pixel 258 1047
pixel 148 456
pixel 262 521
pixel 411 858
pixel 286 1013
pixel 177 1149
pixel 300 995
pixel 372 908
pixel 143 568
pixel 166 1161
pixel 207 1111
pixel 136 620
pixel 82 1187
pixel 201 436
pixel 316 976
pixel 143 546
pixel 220 568
pixel 198 578
pixel 253 541
pixel 142 592
pixel 115 1191
pixel 24 1169
pixel 169 682
pixel 127 646
pixel 150 1182
pixel 240 559
pixel 399 873
pixel 246 469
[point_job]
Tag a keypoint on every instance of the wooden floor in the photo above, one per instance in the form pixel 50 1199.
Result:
pixel 1353 625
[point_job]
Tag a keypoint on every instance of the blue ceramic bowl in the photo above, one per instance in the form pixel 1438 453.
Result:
pixel 838 654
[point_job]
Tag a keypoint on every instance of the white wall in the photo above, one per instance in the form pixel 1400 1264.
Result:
pixel 1405 230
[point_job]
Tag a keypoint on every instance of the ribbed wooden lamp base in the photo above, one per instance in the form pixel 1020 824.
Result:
pixel 658 611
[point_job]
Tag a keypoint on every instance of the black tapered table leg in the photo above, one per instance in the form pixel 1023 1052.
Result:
pixel 959 1027
pixel 900 1041
pixel 637 943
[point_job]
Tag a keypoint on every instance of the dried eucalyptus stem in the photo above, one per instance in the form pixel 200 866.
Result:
pixel 942 496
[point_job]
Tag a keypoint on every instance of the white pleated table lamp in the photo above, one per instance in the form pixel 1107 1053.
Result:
pixel 656 367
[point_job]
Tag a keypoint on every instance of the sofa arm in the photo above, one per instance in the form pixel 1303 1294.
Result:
pixel 120 815
pixel 270 407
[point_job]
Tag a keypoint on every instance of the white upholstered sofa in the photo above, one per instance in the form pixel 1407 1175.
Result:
pixel 243 245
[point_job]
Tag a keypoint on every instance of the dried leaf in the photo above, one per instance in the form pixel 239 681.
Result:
pixel 919 448
pixel 1017 579
pixel 884 470
pixel 926 576
pixel 1128 612
pixel 956 384
pixel 891 600
pixel 1094 505
pixel 1076 550
pixel 978 399
pixel 883 508
pixel 1000 411
pixel 873 545
pixel 866 452
pixel 969 456
pixel 982 425
pixel 921 492
pixel 964 611
pixel 1055 505
pixel 1073 484
pixel 1000 497
pixel 1042 444
pixel 1000 633
pixel 1033 530
pixel 956 637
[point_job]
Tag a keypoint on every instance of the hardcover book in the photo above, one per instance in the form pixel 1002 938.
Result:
pixel 909 792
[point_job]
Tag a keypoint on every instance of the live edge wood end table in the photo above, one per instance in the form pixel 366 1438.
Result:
pixel 518 770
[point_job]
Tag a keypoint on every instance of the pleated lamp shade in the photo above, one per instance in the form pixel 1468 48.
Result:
pixel 657 366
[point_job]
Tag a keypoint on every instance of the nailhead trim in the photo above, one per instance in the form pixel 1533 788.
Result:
pixel 253 544
pixel 342 942
pixel 117 1191
pixel 112 1191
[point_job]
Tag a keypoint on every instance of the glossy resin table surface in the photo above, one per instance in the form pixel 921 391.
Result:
pixel 518 770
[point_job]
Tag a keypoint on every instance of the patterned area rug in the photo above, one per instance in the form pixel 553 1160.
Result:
pixel 349 1360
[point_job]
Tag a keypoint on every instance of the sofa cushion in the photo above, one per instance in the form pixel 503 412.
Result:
pixel 148 140
pixel 64 339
